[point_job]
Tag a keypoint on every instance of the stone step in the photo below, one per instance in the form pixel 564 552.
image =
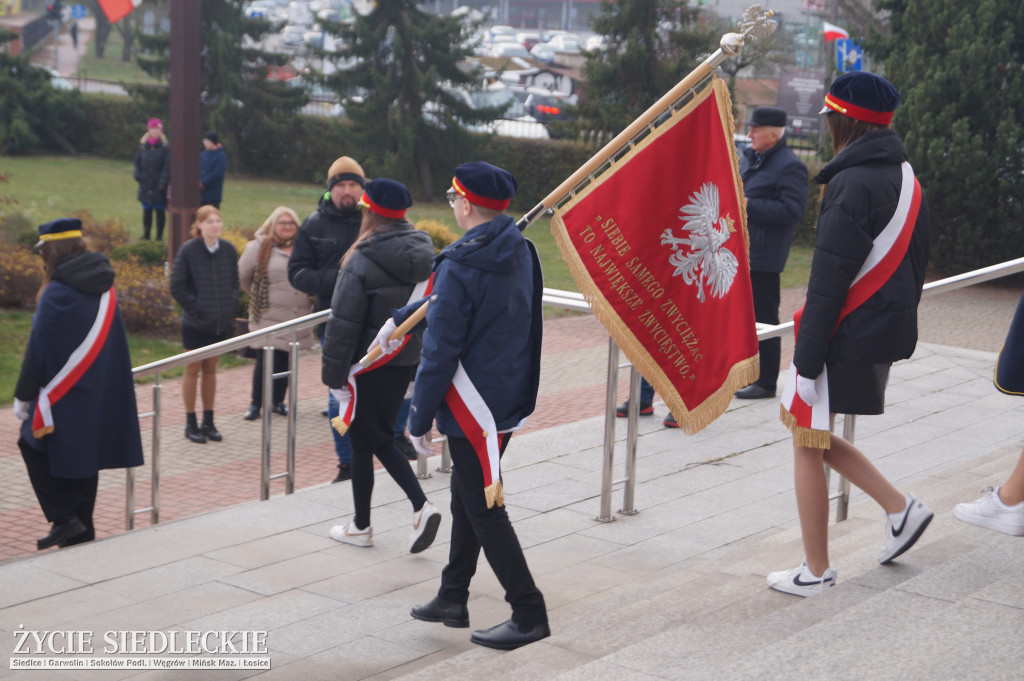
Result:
pixel 710 616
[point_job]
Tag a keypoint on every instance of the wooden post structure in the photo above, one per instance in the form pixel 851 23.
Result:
pixel 186 135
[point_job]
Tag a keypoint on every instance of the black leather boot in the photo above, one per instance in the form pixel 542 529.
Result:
pixel 210 430
pixel 192 431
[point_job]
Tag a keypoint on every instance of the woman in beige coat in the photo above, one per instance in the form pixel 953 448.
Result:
pixel 263 274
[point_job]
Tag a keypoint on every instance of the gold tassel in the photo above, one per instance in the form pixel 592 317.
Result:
pixel 494 494
pixel 42 432
pixel 805 437
pixel 339 425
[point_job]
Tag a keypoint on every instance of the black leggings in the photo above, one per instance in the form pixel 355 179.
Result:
pixel 380 394
pixel 147 222
pixel 280 384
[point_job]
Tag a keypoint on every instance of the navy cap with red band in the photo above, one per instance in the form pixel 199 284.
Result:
pixel 485 185
pixel 863 96
pixel 386 197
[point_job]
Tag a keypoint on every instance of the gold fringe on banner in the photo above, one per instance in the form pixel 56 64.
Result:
pixel 494 494
pixel 806 437
pixel 743 373
pixel 339 425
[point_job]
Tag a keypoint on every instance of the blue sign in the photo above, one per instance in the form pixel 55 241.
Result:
pixel 848 55
pixel 78 11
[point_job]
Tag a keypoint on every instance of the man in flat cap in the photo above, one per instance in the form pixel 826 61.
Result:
pixel 313 266
pixel 478 376
pixel 775 184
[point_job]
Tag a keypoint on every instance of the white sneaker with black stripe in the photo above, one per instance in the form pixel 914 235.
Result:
pixel 903 529
pixel 801 581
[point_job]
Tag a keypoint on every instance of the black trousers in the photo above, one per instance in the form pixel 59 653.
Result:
pixel 280 384
pixel 380 393
pixel 60 497
pixel 474 526
pixel 767 296
pixel 147 222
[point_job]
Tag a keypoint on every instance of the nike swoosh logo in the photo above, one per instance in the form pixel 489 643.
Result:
pixel 416 525
pixel 897 531
pixel 800 582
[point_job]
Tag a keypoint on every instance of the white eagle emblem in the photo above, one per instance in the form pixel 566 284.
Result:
pixel 707 261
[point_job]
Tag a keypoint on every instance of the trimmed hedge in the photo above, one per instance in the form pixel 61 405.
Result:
pixel 301 148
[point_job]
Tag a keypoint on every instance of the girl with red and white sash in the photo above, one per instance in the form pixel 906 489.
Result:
pixel 860 316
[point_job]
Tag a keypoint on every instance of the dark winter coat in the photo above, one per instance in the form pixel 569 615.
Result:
pixel 775 184
pixel 213 163
pixel 378 277
pixel 153 171
pixel 319 244
pixel 486 313
pixel 206 286
pixel 863 190
pixel 96 423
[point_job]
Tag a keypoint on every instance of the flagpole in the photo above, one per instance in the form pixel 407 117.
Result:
pixel 755 23
pixel 398 334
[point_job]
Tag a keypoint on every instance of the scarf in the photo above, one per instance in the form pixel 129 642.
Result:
pixel 259 297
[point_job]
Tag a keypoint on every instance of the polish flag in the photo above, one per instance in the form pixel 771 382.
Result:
pixel 833 32
pixel 117 9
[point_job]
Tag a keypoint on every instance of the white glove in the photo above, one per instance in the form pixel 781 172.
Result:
pixel 21 409
pixel 806 390
pixel 421 443
pixel 387 346
pixel 340 395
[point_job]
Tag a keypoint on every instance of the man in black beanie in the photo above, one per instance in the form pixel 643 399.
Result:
pixel 316 258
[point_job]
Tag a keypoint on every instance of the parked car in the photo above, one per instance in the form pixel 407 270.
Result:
pixel 543 104
pixel 508 50
pixel 515 122
pixel 543 52
pixel 292 34
pixel 565 42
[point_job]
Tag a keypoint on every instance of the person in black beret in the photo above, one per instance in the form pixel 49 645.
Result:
pixel 478 377
pixel 213 163
pixel 868 270
pixel 775 185
pixel 322 240
pixel 378 273
pixel 75 394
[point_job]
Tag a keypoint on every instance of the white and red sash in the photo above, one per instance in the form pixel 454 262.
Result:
pixel 810 424
pixel 347 405
pixel 477 423
pixel 77 364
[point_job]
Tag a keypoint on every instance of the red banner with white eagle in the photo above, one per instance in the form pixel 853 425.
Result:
pixel 658 246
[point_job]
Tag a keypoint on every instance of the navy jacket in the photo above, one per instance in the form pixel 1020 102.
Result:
pixel 206 286
pixel 212 165
pixel 379 277
pixel 319 244
pixel 863 190
pixel 775 185
pixel 486 313
pixel 96 423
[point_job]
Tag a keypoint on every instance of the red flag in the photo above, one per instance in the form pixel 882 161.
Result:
pixel 833 32
pixel 117 9
pixel 658 245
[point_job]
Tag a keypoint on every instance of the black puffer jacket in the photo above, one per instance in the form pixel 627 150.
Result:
pixel 206 286
pixel 319 244
pixel 863 190
pixel 378 278
pixel 152 171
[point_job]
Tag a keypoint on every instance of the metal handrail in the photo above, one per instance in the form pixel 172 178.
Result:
pixel 563 299
pixel 570 300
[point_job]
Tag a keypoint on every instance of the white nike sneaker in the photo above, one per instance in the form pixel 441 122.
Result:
pixel 424 527
pixel 990 512
pixel 350 534
pixel 903 529
pixel 801 581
